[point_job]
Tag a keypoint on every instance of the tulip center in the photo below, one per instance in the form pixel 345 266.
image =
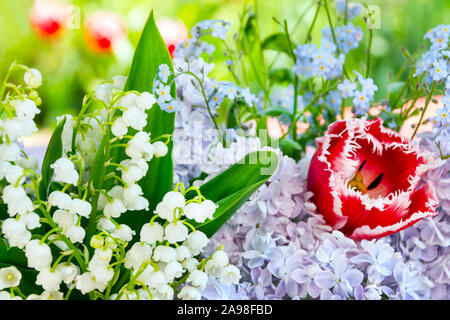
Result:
pixel 358 181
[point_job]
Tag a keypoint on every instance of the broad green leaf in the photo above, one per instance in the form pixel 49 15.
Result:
pixel 96 180
pixel 277 42
pixel 150 53
pixel 53 153
pixel 230 189
pixel 395 90
pixel 98 167
pixel 14 255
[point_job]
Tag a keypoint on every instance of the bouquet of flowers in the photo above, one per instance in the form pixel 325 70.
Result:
pixel 171 184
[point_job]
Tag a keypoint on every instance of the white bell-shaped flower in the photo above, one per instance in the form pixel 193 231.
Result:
pixel 152 233
pixel 196 241
pixel 80 207
pixel 15 175
pixel 33 78
pixel 60 199
pixel 25 108
pixel 230 275
pixel 9 277
pixel 164 292
pixel 164 254
pixel 145 101
pixel 140 147
pixel 119 128
pixel 160 149
pixel 103 92
pixel 137 255
pixel 114 208
pixel 17 200
pixel 9 152
pixel 128 100
pixel 119 82
pixel 183 253
pixel 16 233
pixel 198 279
pixel 68 272
pixel 76 234
pixel 31 220
pixel 124 233
pixel 189 293
pixel 175 232
pixel 173 270
pixel 190 264
pixel 38 254
pixel 64 171
pixel 64 219
pixel 135 118
pixel 220 258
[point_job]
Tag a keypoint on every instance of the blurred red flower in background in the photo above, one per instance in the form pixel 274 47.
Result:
pixel 102 30
pixel 49 18
pixel 366 179
pixel 173 32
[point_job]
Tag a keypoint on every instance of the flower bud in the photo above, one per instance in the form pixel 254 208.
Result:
pixel 160 149
pixel 33 78
pixel 97 241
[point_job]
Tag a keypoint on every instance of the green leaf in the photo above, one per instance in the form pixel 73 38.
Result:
pixel 281 75
pixel 53 153
pixel 14 255
pixel 290 144
pixel 277 42
pixel 150 53
pixel 230 189
pixel 290 147
pixel 395 90
pixel 98 166
pixel 276 111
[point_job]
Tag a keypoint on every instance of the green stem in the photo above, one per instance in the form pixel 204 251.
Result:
pixel 331 26
pixel 346 12
pixel 202 89
pixel 430 95
pixel 308 34
pixel 112 282
pixel 369 53
pixel 5 80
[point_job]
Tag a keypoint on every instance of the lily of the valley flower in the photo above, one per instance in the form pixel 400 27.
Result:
pixel 366 179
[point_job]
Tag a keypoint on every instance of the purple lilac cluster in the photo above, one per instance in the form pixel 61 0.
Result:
pixel 286 251
pixel 427 243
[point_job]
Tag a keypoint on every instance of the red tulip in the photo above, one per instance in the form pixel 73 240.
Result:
pixel 49 18
pixel 173 32
pixel 102 30
pixel 366 179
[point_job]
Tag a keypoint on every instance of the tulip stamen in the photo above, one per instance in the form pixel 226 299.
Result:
pixel 375 182
pixel 357 183
pixel 361 166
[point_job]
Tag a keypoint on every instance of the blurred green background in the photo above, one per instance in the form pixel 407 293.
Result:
pixel 70 67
